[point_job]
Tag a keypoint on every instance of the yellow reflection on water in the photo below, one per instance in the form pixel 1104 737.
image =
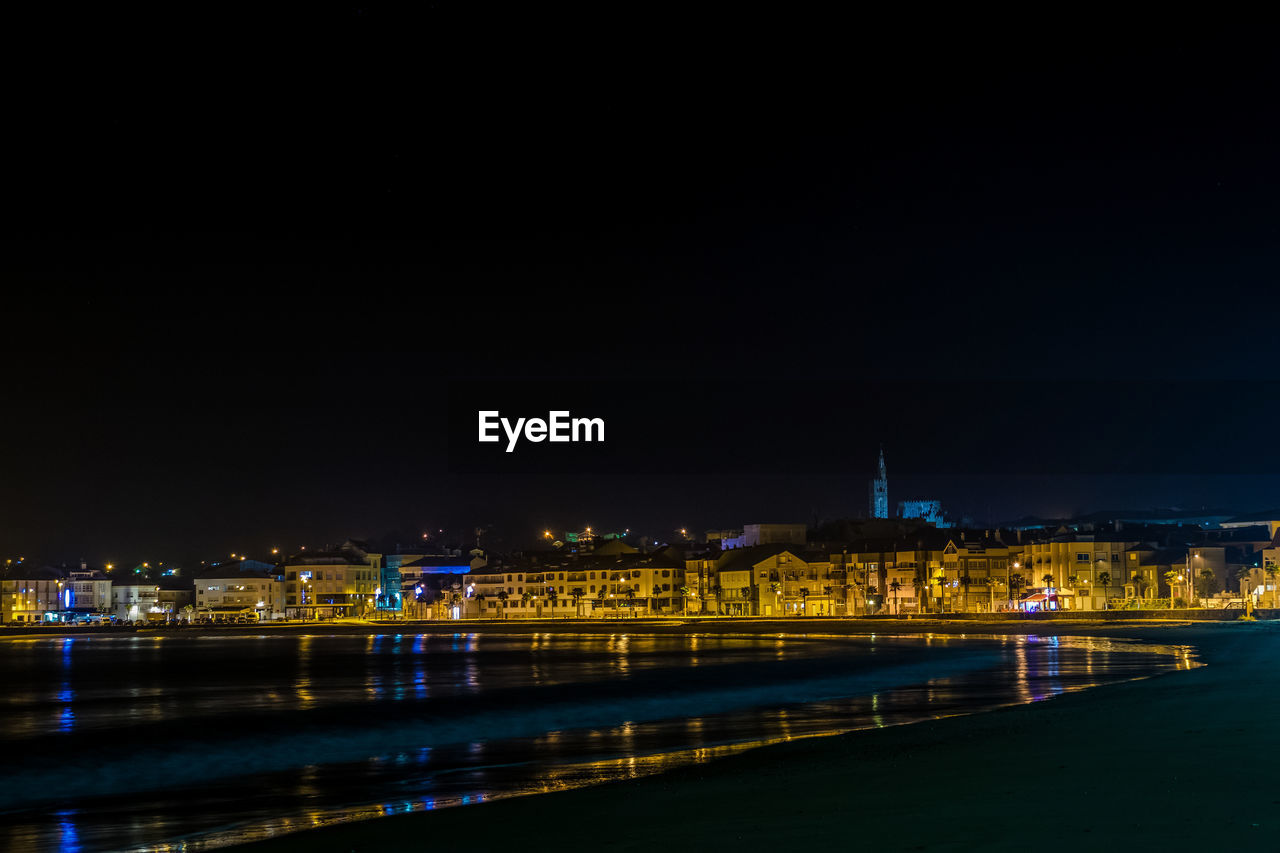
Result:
pixel 302 686
pixel 557 777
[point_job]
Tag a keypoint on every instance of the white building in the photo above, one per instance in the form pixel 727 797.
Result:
pixel 135 600
pixel 224 591
pixel 90 592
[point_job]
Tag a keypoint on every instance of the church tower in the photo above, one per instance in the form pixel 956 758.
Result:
pixel 879 497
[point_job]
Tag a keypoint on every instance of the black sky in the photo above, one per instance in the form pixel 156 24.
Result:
pixel 251 260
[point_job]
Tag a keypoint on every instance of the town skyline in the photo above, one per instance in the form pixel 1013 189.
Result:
pixel 519 536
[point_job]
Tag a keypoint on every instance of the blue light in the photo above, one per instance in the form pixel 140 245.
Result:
pixel 69 837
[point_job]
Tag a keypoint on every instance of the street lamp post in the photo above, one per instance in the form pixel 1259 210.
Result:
pixel 1191 580
pixel 1008 580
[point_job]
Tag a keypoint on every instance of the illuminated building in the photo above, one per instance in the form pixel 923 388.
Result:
pixel 565 585
pixel 766 534
pixel 430 582
pixel 977 573
pixel 332 584
pixel 719 537
pixel 865 565
pixel 234 590
pixel 918 573
pixel 879 491
pixel 32 595
pixel 174 596
pixel 1085 569
pixel 135 599
pixel 700 580
pixel 646 583
pixel 924 510
pixel 390 593
pixel 774 580
pixel 87 593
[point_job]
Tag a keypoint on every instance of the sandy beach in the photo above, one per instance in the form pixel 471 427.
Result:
pixel 1177 761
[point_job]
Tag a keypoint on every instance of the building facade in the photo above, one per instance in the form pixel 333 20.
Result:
pixel 32 595
pixel 135 600
pixel 340 583
pixel 225 591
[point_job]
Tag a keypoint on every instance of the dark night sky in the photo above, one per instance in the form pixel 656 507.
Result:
pixel 256 268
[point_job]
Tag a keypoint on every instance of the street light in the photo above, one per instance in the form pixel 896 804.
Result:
pixel 1008 581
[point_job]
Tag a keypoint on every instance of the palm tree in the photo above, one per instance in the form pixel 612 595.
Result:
pixel 894 586
pixel 1047 577
pixel 551 597
pixel 503 595
pixel 1172 577
pixel 804 601
pixel 1138 579
pixel 685 594
pixel 831 608
pixel 990 584
pixel 1244 575
pixel 524 601
pixel 653 606
pixel 922 590
pixel 1104 581
pixel 964 582
pixel 631 600
pixel 1073 581
pixel 775 588
pixel 1016 583
pixel 1206 575
pixel 577 594
pixel 746 600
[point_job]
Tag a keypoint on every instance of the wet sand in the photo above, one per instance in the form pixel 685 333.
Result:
pixel 1178 761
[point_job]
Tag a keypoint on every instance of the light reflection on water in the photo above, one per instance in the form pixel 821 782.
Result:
pixel 399 671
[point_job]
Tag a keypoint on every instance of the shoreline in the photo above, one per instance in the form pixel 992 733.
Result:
pixel 831 626
pixel 1156 761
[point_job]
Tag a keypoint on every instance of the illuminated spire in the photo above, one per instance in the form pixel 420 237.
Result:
pixel 880 490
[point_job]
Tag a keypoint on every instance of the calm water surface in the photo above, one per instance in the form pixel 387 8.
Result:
pixel 192 743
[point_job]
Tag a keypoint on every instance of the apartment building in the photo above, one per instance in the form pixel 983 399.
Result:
pixel 32 595
pixel 134 599
pixel 227 590
pixel 341 582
